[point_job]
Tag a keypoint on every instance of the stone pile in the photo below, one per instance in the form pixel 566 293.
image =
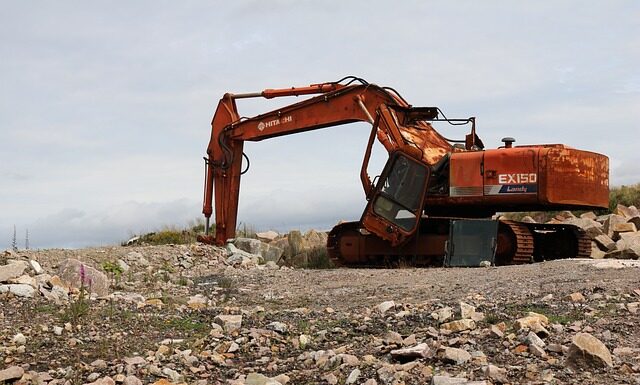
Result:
pixel 291 249
pixel 613 235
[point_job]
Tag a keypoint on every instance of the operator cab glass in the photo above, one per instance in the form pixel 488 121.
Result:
pixel 399 198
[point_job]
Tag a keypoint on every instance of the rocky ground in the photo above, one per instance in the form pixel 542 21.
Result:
pixel 198 314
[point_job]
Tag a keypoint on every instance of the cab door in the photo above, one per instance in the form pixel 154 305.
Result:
pixel 394 211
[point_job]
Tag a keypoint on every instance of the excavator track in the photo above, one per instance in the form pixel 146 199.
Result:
pixel 349 245
pixel 515 244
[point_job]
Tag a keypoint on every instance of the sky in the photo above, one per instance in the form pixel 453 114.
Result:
pixel 105 107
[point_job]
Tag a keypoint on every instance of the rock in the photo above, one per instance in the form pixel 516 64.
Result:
pixel 230 323
pixel 103 381
pixel 11 373
pixel 466 310
pixel 527 219
pixel 259 379
pixel 537 350
pixel 271 253
pixel 331 379
pixel 353 376
pixel 131 380
pixel 197 301
pixel 458 356
pixel 304 340
pixel 624 211
pixel 137 360
pixel 576 297
pixel 19 290
pixel 94 280
pixel 444 380
pixel 589 215
pixel 419 351
pixel 392 337
pixel 241 257
pixel 19 339
pixel 25 280
pixel 442 314
pixel 495 374
pixel 459 325
pixel 279 327
pixel 57 330
pixel 123 265
pixel 35 266
pixel 605 242
pixel 267 236
pixel 497 331
pixel 596 253
pixel 12 270
pixel 385 306
pixel 587 350
pixel 173 375
pixel 533 339
pixel 249 245
pixel 626 227
pixel 610 222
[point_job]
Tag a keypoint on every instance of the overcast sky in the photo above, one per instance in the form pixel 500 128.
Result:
pixel 105 107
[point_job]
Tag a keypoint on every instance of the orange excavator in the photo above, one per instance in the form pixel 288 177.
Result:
pixel 432 201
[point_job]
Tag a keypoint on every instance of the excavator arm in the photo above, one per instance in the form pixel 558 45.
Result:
pixel 412 143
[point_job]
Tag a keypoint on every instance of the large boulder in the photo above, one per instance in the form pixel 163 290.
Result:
pixel 610 221
pixel 77 274
pixel 11 271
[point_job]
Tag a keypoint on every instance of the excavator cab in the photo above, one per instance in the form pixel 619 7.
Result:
pixel 394 211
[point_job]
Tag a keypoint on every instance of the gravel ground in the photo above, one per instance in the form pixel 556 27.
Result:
pixel 167 320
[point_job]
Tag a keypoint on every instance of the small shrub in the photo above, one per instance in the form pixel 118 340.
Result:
pixel 318 258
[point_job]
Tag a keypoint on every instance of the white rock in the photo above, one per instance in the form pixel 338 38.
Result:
pixel 466 310
pixel 57 330
pixel 496 373
pixel 385 306
pixel 419 351
pixel 533 339
pixel 19 290
pixel 19 339
pixel 35 266
pixel 353 376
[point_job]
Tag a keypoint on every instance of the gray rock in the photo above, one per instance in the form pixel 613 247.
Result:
pixel 95 280
pixel 11 373
pixel 533 339
pixel 279 327
pixel 12 270
pixel 458 356
pixel 19 290
pixel 587 350
pixel 173 375
pixel 271 253
pixel 249 245
pixel 353 376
